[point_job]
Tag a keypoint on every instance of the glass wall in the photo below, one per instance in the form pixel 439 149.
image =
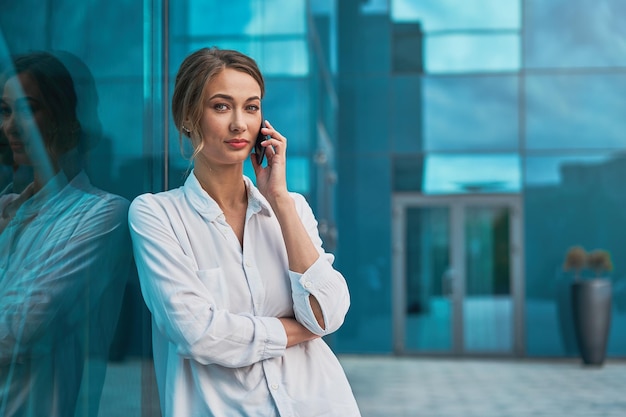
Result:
pixel 486 98
pixel 119 61
pixel 78 114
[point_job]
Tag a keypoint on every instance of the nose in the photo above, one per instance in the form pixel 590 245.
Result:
pixel 8 123
pixel 237 124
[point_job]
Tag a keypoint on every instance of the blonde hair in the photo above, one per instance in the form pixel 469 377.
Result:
pixel 195 72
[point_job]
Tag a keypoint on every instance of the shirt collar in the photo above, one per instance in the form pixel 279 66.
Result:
pixel 256 202
pixel 31 202
pixel 208 208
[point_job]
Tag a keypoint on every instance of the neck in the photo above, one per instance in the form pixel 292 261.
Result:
pixel 225 185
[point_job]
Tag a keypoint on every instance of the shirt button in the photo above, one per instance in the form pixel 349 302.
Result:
pixel 248 263
pixel 308 284
pixel 274 387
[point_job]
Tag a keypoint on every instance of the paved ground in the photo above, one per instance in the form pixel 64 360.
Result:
pixel 417 387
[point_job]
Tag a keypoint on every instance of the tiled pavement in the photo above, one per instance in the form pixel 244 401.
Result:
pixel 387 386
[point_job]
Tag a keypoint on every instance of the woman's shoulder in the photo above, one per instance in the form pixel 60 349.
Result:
pixel 300 201
pixel 156 201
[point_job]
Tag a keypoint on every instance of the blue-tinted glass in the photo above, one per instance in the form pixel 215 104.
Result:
pixel 280 57
pixel 584 206
pixel 455 53
pixel 446 174
pixel 575 111
pixel 364 240
pixel 370 136
pixel 65 255
pixel 575 33
pixel 258 17
pixel 550 170
pixel 458 15
pixel 407 114
pixel 287 106
pixel 470 113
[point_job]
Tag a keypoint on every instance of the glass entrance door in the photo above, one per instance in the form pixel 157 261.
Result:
pixel 457 269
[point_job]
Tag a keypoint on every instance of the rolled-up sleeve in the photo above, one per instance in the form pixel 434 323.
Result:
pixel 320 280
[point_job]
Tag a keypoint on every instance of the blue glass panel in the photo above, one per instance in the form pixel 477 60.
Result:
pixel 287 106
pixel 283 57
pixel 406 116
pixel 583 206
pixel 575 33
pixel 471 113
pixel 257 17
pixel 456 15
pixel 575 111
pixel 551 170
pixel 365 260
pixel 447 174
pixel 452 53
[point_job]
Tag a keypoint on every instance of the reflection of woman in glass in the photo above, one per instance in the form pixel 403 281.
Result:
pixel 62 251
pixel 235 276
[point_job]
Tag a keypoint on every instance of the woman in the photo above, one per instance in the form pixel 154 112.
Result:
pixel 235 276
pixel 63 251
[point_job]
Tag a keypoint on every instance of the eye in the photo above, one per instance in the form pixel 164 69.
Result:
pixel 5 111
pixel 220 106
pixel 253 108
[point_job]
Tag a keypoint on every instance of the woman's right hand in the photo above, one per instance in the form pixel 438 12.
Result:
pixel 296 333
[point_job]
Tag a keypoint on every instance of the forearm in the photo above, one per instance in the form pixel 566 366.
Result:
pixel 301 251
pixel 296 333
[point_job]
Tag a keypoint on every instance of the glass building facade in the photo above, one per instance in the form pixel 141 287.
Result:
pixel 452 154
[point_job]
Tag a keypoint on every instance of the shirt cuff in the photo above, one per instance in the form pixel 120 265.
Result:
pixel 306 283
pixel 275 337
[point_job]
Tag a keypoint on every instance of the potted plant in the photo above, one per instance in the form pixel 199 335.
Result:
pixel 591 301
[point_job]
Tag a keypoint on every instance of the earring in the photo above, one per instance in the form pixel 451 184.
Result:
pixel 186 130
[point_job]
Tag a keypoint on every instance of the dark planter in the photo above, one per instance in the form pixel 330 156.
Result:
pixel 591 303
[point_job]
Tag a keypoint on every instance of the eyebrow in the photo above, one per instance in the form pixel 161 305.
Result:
pixel 5 100
pixel 230 98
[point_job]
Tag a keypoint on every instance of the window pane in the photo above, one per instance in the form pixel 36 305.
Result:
pixel 259 17
pixel 269 55
pixel 472 173
pixel 553 170
pixel 470 113
pixel 576 111
pixel 575 33
pixel 472 52
pixel 456 15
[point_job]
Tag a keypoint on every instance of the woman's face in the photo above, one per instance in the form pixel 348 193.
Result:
pixel 24 116
pixel 231 117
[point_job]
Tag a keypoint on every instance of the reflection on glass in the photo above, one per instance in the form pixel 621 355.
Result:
pixel 549 170
pixel 256 17
pixel 585 34
pixel 266 53
pixel 575 111
pixel 467 173
pixel 487 305
pixel 455 15
pixel 428 280
pixel 471 113
pixel 64 246
pixel 458 53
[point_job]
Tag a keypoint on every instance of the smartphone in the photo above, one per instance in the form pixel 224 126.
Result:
pixel 258 149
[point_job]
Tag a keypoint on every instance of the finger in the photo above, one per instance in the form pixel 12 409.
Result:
pixel 275 134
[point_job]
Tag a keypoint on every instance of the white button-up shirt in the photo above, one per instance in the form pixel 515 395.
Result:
pixel 219 348
pixel 64 258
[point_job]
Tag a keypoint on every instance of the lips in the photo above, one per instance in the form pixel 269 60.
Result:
pixel 237 143
pixel 16 146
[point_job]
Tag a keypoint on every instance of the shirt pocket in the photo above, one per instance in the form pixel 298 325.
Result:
pixel 214 281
